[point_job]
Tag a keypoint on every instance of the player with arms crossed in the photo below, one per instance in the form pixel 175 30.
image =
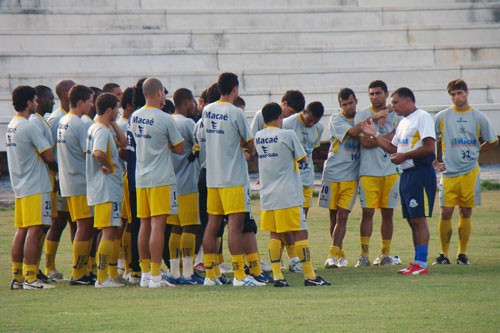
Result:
pixel 460 127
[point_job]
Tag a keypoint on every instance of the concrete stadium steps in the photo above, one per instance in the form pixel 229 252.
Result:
pixel 337 38
pixel 238 18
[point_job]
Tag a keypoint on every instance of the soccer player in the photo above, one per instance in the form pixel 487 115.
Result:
pixel 460 127
pixel 115 89
pixel 28 155
pixel 105 185
pixel 71 149
pixel 379 179
pixel 155 135
pixel 413 149
pixel 279 151
pixel 62 216
pixel 185 225
pixel 227 131
pixel 341 173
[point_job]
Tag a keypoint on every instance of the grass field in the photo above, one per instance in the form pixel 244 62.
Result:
pixel 376 299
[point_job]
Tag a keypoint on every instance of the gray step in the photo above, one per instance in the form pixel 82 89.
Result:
pixel 234 19
pixel 338 38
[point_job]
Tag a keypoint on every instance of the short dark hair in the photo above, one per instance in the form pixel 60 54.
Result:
pixel 378 84
pixel 104 102
pixel 294 99
pixel 139 100
pixel 227 82
pixel 404 92
pixel 169 107
pixel 213 93
pixel 344 94
pixel 42 90
pixel 316 108
pixel 239 102
pixel 20 97
pixel 457 84
pixel 79 93
pixel 128 97
pixel 271 111
pixel 108 87
pixel 182 94
pixel 203 95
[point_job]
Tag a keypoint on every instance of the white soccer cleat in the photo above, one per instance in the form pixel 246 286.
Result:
pixel 295 265
pixel 363 261
pixel 342 262
pixel 145 277
pixel 382 260
pixel 248 281
pixel 331 262
pixel 209 283
pixel 159 282
pixel 265 266
pixel 224 268
pixel 37 284
pixel 55 275
pixel 108 284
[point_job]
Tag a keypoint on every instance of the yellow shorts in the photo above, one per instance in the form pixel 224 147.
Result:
pixel 463 190
pixel 283 220
pixel 379 192
pixel 126 211
pixel 79 208
pixel 308 194
pixel 156 201
pixel 188 211
pixel 108 214
pixel 338 194
pixel 228 200
pixel 33 210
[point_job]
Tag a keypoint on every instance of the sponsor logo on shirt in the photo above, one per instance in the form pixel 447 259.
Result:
pixel 214 125
pixel 143 121
pixel 10 131
pixel 403 142
pixel 460 142
pixel 141 134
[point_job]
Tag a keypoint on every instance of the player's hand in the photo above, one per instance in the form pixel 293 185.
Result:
pixel 247 155
pixel 368 127
pixel 439 167
pixel 105 170
pixel 191 158
pixel 398 158
pixel 381 116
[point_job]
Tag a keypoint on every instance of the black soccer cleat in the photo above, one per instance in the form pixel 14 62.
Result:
pixel 318 281
pixel 83 281
pixel 281 283
pixel 462 259
pixel 42 277
pixel 441 260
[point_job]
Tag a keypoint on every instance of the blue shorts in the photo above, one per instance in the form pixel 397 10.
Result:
pixel 417 188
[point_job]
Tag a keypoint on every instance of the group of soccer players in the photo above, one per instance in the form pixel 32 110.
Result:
pixel 161 181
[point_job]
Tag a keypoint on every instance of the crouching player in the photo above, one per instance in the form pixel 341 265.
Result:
pixel 105 184
pixel 279 151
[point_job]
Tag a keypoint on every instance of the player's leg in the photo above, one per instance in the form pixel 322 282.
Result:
pixel 464 231
pixel 17 250
pixel 386 231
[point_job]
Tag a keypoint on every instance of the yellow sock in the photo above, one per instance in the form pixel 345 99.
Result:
pixel 88 263
pixel 104 253
pixel 17 271
pixel 126 246
pixel 341 253
pixel 29 272
pixel 254 264
pixel 275 257
pixel 445 232
pixel 187 244
pixel 50 255
pixel 334 251
pixel 290 249
pixel 155 269
pixel 91 265
pixel 174 245
pixel 305 258
pixel 40 250
pixel 145 265
pixel 238 262
pixel 464 230
pixel 386 247
pixel 80 253
pixel 210 262
pixel 365 246
pixel 113 260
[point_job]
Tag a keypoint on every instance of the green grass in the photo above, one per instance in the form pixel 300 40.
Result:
pixel 451 299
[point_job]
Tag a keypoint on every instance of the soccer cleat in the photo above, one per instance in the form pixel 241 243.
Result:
pixel 263 277
pixel 363 261
pixel 194 279
pixel 135 278
pixel 265 266
pixel 281 283
pixel 416 270
pixel 441 260
pixel 462 259
pixel 109 284
pixel 55 275
pixel 83 281
pixel 93 276
pixel 224 268
pixel 342 262
pixel 382 260
pixel 406 269
pixel 159 282
pixel 248 281
pixel 42 277
pixel 145 277
pixel 396 260
pixel 209 283
pixel 120 280
pixel 224 280
pixel 37 284
pixel 16 285
pixel 318 281
pixel 295 266
pixel 331 262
